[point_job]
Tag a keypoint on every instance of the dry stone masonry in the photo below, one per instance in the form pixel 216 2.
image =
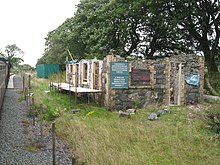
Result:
pixel 177 80
pixel 123 84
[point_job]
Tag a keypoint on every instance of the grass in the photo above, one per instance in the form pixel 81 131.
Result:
pixel 97 136
pixel 112 140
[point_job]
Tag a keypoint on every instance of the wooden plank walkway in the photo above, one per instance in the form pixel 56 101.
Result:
pixel 68 87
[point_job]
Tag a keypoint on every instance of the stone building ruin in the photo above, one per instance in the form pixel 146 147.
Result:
pixel 123 84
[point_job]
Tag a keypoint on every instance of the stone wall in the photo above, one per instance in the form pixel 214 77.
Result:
pixel 155 82
pixel 191 64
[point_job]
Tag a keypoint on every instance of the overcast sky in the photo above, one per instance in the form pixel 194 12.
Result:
pixel 27 22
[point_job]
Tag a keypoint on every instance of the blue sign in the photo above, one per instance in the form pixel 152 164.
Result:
pixel 193 79
pixel 119 74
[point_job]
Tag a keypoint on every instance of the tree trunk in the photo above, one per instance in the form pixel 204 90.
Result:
pixel 211 89
pixel 211 65
pixel 210 62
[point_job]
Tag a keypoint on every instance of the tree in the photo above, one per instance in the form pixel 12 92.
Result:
pixel 13 54
pixel 196 25
pixel 25 68
pixel 150 28
pixel 65 37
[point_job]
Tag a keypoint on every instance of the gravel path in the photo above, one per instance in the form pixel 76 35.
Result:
pixel 16 139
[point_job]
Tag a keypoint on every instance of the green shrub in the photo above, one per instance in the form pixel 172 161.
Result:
pixel 213 120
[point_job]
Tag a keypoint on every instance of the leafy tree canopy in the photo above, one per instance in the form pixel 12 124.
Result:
pixel 13 54
pixel 147 28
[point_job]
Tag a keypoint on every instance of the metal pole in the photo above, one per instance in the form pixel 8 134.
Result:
pixel 23 84
pixel 69 92
pixel 59 82
pixel 41 122
pixel 53 141
pixel 28 96
pixel 76 86
pixel 25 94
pixel 73 161
pixel 88 99
pixel 29 81
pixel 33 115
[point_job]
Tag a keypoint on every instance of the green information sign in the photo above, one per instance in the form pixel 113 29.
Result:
pixel 119 74
pixel 119 81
